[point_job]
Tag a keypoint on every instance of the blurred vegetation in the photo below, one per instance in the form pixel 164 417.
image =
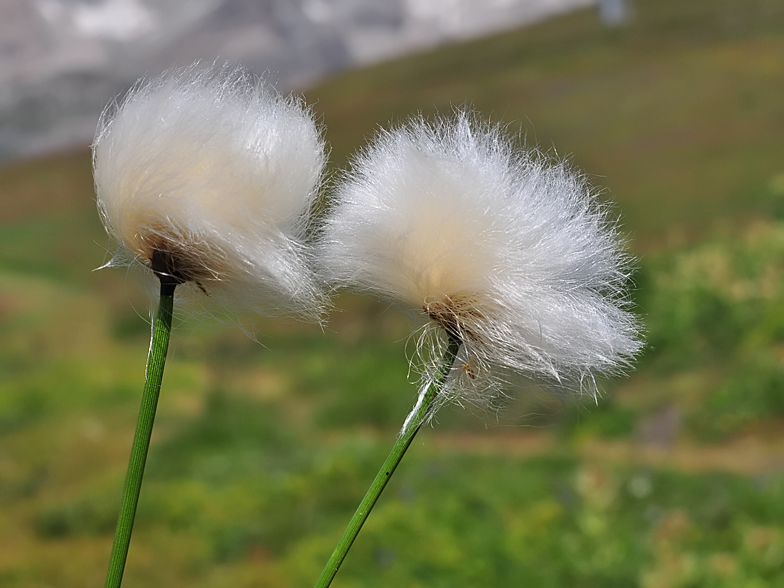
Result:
pixel 263 449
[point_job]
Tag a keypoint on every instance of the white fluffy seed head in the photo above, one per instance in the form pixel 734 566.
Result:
pixel 218 172
pixel 500 247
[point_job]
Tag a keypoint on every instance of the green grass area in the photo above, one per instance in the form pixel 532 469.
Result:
pixel 677 115
pixel 262 449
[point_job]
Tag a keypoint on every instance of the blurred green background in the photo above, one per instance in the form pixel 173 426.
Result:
pixel 263 449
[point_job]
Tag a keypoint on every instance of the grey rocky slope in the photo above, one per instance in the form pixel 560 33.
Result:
pixel 62 60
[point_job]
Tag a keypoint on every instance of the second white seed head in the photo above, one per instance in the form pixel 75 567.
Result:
pixel 500 247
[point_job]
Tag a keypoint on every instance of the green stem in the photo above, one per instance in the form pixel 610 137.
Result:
pixel 159 345
pixel 410 429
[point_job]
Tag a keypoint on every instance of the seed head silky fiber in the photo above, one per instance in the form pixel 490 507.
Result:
pixel 499 248
pixel 208 176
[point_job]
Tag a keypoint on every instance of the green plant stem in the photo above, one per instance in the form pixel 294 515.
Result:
pixel 159 345
pixel 410 429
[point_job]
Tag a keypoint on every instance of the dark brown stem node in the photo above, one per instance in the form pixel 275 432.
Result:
pixel 164 265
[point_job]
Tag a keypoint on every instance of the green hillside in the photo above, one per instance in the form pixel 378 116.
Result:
pixel 263 449
pixel 678 115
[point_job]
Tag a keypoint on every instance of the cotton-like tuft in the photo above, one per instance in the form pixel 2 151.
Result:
pixel 215 173
pixel 499 248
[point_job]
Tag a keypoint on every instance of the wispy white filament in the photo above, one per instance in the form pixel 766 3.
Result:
pixel 508 251
pixel 219 172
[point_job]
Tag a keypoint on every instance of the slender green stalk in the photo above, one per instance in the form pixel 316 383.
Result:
pixel 410 429
pixel 159 345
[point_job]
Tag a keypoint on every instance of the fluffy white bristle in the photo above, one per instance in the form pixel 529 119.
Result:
pixel 220 171
pixel 506 249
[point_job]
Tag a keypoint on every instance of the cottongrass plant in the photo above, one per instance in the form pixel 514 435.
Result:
pixel 513 265
pixel 206 179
